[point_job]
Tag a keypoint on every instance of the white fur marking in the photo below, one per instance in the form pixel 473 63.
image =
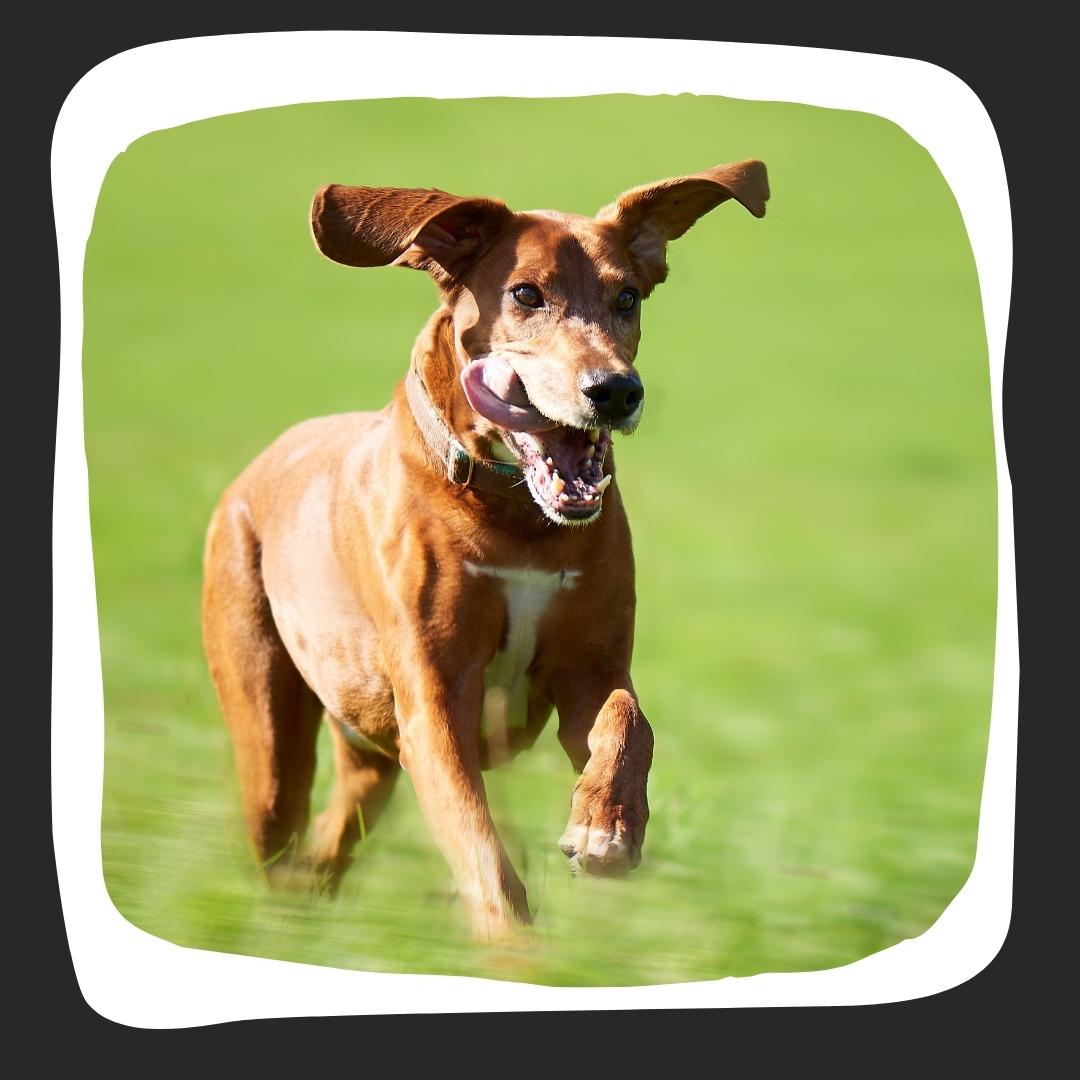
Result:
pixel 528 593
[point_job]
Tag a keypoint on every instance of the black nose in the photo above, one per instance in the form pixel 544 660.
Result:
pixel 615 396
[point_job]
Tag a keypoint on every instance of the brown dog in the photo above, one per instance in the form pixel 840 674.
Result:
pixel 423 574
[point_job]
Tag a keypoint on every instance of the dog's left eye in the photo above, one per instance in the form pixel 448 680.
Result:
pixel 627 300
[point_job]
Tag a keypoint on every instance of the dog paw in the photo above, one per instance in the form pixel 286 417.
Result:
pixel 297 875
pixel 604 836
pixel 598 851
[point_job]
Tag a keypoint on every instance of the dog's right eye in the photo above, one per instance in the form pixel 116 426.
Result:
pixel 528 296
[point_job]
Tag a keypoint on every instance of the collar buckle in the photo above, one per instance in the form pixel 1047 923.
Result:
pixel 459 464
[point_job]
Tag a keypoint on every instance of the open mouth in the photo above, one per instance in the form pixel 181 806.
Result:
pixel 563 465
pixel 564 469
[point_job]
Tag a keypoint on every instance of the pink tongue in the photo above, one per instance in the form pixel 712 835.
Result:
pixel 495 391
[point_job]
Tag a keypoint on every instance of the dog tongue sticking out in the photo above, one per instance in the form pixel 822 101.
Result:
pixel 563 466
pixel 495 390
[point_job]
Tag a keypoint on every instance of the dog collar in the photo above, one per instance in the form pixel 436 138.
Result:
pixel 497 477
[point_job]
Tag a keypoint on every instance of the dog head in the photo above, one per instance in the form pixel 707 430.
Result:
pixel 545 307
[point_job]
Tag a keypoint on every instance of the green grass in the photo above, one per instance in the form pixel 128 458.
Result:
pixel 812 496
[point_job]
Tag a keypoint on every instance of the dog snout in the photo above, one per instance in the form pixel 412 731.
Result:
pixel 614 396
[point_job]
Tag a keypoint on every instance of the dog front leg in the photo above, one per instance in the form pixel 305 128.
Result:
pixel 440 751
pixel 612 749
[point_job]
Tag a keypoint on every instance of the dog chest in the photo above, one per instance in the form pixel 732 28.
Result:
pixel 527 593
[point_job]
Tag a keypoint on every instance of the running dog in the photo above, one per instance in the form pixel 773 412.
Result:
pixel 438 576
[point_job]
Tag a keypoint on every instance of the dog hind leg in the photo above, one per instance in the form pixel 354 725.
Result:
pixel 271 713
pixel 363 781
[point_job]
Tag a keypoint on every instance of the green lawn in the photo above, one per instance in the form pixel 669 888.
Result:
pixel 812 495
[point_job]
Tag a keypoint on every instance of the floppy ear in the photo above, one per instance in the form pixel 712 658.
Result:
pixel 652 215
pixel 424 228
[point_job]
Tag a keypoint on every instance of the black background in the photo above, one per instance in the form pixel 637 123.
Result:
pixel 1015 64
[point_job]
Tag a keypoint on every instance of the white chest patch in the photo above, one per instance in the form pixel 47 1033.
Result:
pixel 528 594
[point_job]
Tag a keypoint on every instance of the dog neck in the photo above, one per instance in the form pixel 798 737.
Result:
pixel 434 359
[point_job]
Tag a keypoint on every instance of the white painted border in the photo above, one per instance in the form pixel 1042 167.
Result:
pixel 133 978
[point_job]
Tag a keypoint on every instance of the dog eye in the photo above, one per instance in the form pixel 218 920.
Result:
pixel 528 296
pixel 627 300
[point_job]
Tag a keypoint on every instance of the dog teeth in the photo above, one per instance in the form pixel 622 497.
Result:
pixel 589 451
pixel 557 484
pixel 549 463
pixel 564 498
pixel 602 486
pixel 594 434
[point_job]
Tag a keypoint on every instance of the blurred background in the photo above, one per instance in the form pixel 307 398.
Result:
pixel 812 495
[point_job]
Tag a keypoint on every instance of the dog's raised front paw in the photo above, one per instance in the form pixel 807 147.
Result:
pixel 605 831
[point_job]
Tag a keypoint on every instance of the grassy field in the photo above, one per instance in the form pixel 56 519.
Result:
pixel 812 495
